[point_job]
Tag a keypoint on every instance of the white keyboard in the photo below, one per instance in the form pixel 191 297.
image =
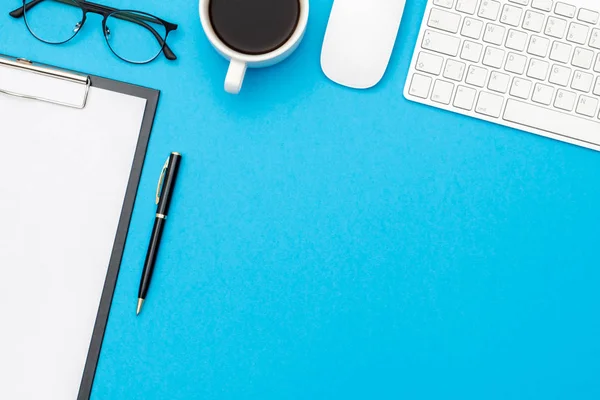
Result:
pixel 533 65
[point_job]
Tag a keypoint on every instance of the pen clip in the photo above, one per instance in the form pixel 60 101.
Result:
pixel 161 179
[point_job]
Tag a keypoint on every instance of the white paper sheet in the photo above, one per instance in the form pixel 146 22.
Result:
pixel 62 187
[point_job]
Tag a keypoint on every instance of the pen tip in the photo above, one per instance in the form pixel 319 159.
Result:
pixel 139 306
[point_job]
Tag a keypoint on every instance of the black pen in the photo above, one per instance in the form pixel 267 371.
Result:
pixel 164 192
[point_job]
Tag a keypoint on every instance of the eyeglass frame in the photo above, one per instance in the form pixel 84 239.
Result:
pixel 94 8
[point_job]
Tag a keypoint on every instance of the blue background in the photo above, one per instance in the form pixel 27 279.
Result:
pixel 330 243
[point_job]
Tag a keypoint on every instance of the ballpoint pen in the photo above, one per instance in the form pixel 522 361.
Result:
pixel 164 193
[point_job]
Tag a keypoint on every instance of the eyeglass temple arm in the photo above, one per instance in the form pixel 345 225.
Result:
pixel 19 12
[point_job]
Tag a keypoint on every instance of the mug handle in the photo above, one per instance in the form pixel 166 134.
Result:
pixel 235 76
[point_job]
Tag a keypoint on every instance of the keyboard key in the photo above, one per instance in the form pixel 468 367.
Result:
pixel 597 87
pixel 444 20
pixel 442 92
pixel 472 28
pixel 589 16
pixel 489 9
pixel 544 5
pixel 444 3
pixel 538 69
pixel 429 63
pixel 561 52
pixel 454 70
pixel 520 88
pixel 493 57
pixel 494 34
pixel 467 6
pixel 516 40
pixel 515 63
pixel 560 75
pixel 471 51
pixel 533 21
pixel 476 76
pixel 587 106
pixel 498 82
pixel 582 58
pixel 419 86
pixel 441 43
pixel 521 2
pixel 577 33
pixel 511 15
pixel 597 65
pixel 565 100
pixel 550 120
pixel 538 46
pixel 595 39
pixel 464 98
pixel 556 27
pixel 582 81
pixel 566 10
pixel 542 94
pixel 489 104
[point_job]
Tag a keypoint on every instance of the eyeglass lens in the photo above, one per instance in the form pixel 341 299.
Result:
pixel 135 37
pixel 54 21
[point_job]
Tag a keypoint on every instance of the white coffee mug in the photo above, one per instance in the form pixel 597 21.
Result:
pixel 240 61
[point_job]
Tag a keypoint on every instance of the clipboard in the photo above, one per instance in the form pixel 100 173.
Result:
pixel 81 86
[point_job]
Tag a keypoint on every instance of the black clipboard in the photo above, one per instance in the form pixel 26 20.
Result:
pixel 152 97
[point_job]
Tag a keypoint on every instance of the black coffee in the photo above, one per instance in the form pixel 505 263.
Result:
pixel 254 26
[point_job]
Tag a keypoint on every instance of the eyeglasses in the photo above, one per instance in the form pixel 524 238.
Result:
pixel 133 36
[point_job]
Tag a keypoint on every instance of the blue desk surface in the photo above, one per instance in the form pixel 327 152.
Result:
pixel 330 243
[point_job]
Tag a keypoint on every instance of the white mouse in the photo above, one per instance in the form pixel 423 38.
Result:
pixel 359 40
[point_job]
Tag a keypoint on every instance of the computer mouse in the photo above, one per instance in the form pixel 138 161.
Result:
pixel 359 40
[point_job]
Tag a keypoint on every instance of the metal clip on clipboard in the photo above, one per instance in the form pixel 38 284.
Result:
pixel 23 65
